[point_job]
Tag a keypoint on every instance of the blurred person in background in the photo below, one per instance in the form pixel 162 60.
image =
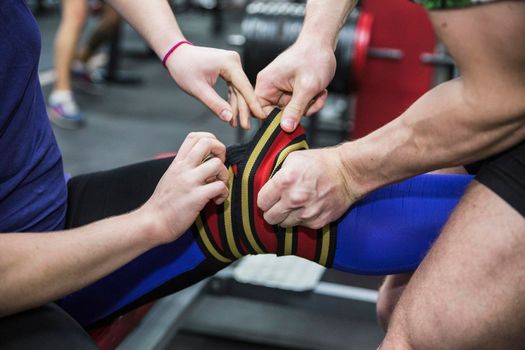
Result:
pixel 63 109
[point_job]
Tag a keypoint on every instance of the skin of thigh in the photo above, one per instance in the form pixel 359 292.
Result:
pixel 394 285
pixel 469 292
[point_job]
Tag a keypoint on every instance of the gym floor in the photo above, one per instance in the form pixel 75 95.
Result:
pixel 131 123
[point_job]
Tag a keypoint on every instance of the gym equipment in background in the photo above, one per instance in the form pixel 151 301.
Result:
pixel 387 56
pixel 271 27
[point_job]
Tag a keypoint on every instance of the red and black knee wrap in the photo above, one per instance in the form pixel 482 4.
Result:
pixel 236 228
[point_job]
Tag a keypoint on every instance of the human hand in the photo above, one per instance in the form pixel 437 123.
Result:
pixel 196 70
pixel 311 189
pixel 191 181
pixel 296 81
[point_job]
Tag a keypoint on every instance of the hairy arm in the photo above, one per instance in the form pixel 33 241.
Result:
pixel 470 118
pixel 461 121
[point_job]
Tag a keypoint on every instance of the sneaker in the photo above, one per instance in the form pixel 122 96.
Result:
pixel 87 80
pixel 63 110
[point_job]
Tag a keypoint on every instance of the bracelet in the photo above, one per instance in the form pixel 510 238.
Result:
pixel 173 48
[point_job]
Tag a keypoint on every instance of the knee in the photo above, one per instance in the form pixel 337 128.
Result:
pixel 394 341
pixel 389 295
pixel 397 334
pixel 385 306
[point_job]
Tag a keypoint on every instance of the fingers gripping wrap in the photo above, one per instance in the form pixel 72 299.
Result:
pixel 236 228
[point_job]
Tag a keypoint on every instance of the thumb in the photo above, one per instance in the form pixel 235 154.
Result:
pixel 207 95
pixel 296 108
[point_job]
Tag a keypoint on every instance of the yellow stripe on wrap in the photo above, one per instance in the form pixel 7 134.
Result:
pixel 285 152
pixel 325 245
pixel 245 208
pixel 288 240
pixel 228 226
pixel 211 249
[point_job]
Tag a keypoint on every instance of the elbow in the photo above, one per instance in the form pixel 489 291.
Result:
pixel 10 305
pixel 13 296
pixel 7 307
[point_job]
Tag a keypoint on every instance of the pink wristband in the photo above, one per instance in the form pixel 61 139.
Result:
pixel 173 48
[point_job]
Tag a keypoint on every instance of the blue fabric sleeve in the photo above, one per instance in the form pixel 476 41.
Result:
pixel 139 277
pixel 391 229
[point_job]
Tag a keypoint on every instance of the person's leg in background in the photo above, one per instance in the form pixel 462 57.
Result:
pixel 107 26
pixel 63 110
pixel 468 293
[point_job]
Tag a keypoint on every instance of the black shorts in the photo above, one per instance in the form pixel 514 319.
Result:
pixel 504 174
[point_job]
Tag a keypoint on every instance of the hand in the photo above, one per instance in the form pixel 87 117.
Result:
pixel 188 185
pixel 196 70
pixel 311 189
pixel 297 80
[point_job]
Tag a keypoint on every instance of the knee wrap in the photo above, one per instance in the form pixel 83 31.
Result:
pixel 236 228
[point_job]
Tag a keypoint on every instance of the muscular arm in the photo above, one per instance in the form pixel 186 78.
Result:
pixel 458 122
pixel 475 116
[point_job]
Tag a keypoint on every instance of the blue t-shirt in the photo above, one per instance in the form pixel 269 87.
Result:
pixel 33 192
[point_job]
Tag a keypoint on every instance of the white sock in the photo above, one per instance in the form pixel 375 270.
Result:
pixel 79 67
pixel 64 98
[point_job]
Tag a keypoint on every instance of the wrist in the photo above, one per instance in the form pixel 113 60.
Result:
pixel 163 44
pixel 172 49
pixel 151 230
pixel 311 39
pixel 324 19
pixel 358 169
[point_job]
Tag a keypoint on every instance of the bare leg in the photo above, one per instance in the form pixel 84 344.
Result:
pixel 73 19
pixel 469 292
pixel 63 110
pixel 394 285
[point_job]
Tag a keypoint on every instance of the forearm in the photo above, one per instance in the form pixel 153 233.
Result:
pixel 154 21
pixel 323 21
pixel 453 124
pixel 36 268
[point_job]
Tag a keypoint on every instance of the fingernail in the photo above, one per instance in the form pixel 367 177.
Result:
pixel 226 115
pixel 288 124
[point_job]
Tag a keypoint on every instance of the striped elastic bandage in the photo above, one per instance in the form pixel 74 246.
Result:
pixel 227 232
